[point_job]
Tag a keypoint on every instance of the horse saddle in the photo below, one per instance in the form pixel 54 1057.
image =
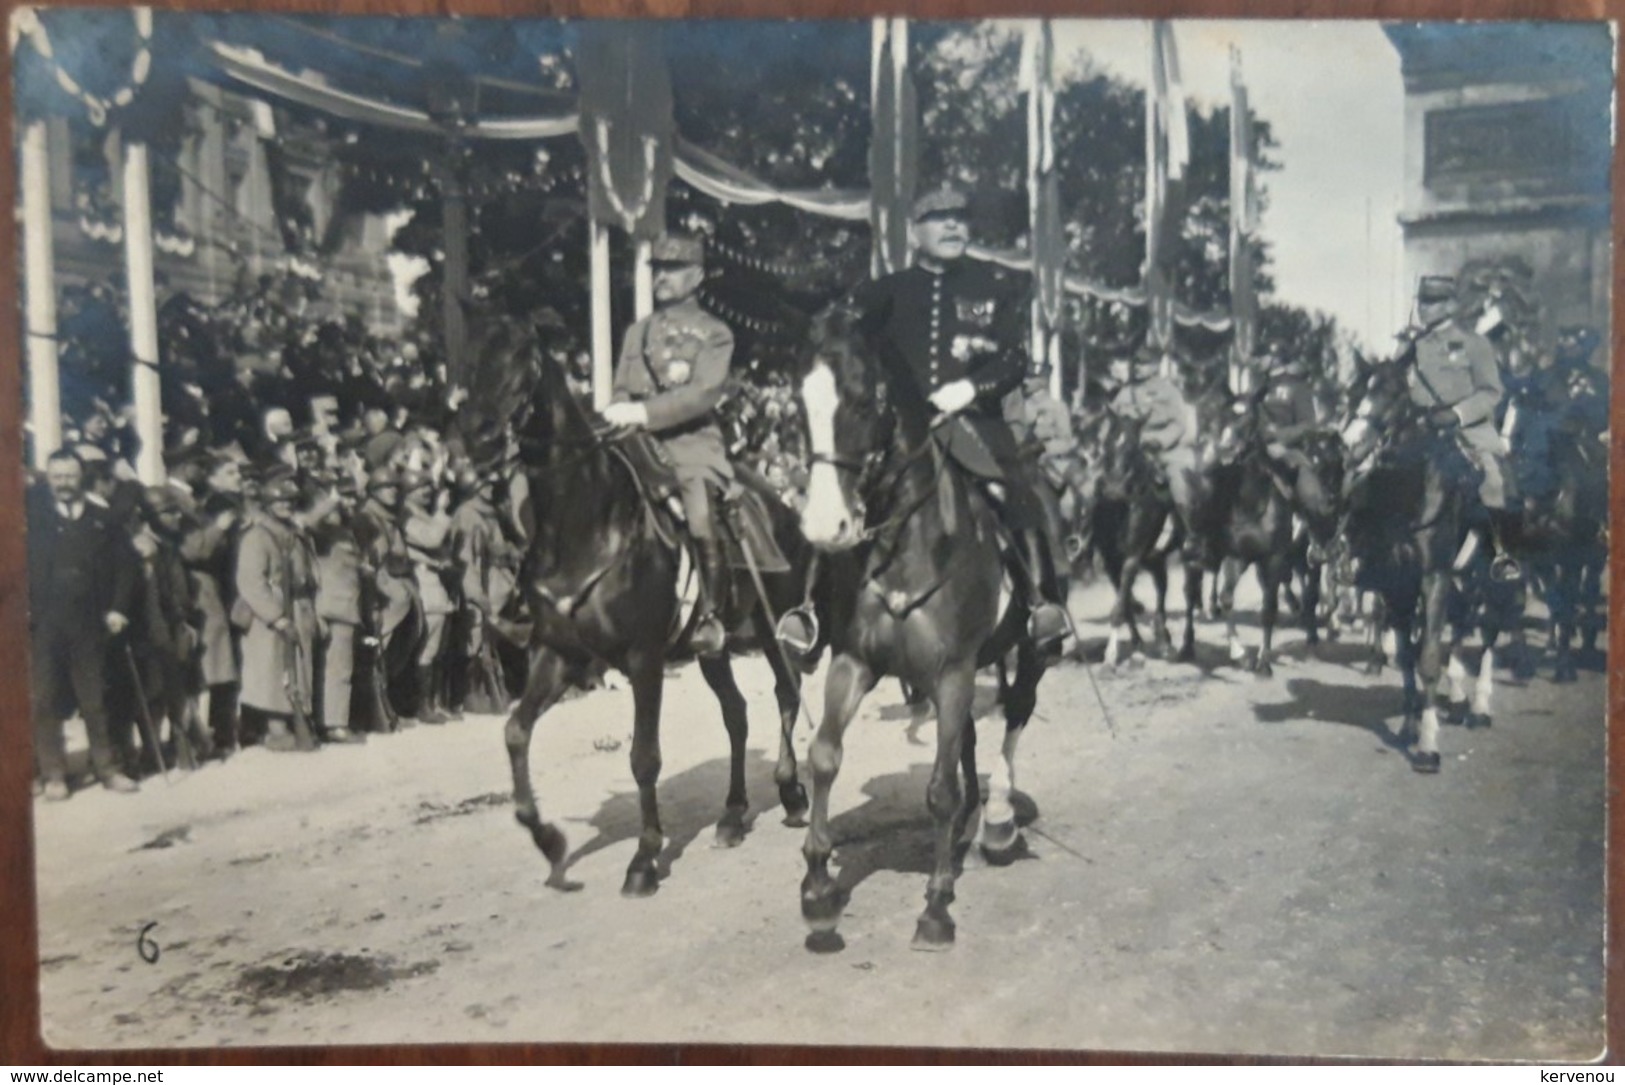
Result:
pixel 747 523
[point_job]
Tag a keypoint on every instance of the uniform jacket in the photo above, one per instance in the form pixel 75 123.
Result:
pixel 931 329
pixel 1286 410
pixel 383 548
pixel 675 362
pixel 338 575
pixel 426 534
pixel 1166 420
pixel 1456 368
pixel 483 554
pixel 275 579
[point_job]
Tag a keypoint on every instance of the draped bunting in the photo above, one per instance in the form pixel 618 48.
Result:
pixel 1127 295
pixel 627 126
pixel 1048 244
pixel 247 66
pixel 721 180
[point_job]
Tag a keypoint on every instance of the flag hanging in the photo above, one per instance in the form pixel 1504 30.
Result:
pixel 1243 218
pixel 893 146
pixel 1167 158
pixel 1048 237
pixel 626 124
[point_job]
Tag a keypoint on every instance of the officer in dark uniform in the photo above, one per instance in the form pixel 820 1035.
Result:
pixel 1287 417
pixel 670 379
pixel 951 337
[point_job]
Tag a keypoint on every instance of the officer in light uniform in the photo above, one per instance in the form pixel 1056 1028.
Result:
pixel 669 380
pixel 1455 377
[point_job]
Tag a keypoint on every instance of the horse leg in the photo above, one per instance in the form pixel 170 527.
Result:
pixel 1161 641
pixel 1193 603
pixel 1270 578
pixel 1230 572
pixel 1001 836
pixel 1311 608
pixel 719 675
pixel 946 801
pixel 1122 611
pixel 543 686
pixel 1435 594
pixel 1456 677
pixel 787 692
pixel 822 898
pixel 1561 601
pixel 1405 658
pixel 1376 658
pixel 646 671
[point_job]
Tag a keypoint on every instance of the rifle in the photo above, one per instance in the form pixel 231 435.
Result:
pixel 291 671
pixel 144 711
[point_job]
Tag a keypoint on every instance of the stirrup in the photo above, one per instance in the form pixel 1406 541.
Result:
pixel 1505 569
pixel 1044 637
pixel 709 638
pixel 798 631
pixel 1464 556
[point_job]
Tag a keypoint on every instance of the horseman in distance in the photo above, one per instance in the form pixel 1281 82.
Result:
pixel 669 379
pixel 949 333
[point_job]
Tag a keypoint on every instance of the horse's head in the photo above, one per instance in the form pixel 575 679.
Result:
pixel 1379 400
pixel 849 429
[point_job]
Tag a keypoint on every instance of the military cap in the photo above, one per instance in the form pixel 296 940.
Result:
pixel 382 478
pixel 1436 288
pixel 678 250
pixel 942 201
pixel 279 485
pixel 412 481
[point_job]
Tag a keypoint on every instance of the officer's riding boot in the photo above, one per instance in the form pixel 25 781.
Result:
pixel 1049 623
pixel 710 638
pixel 448 705
pixel 429 695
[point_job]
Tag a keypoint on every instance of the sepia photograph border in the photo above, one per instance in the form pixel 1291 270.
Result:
pixel 20 1010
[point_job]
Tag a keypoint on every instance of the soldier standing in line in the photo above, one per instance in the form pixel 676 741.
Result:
pixel 276 593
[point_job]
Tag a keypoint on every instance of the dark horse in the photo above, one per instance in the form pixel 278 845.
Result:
pixel 1246 519
pixel 601 580
pixel 1131 527
pixel 916 564
pixel 1406 520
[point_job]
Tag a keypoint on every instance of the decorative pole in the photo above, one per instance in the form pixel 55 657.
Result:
pixel 39 280
pixel 144 384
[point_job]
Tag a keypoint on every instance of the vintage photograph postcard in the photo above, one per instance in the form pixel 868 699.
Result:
pixel 1022 534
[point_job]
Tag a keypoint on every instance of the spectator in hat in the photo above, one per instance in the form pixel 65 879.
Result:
pixel 427 529
pixel 338 612
pixel 168 633
pixel 82 590
pixel 392 594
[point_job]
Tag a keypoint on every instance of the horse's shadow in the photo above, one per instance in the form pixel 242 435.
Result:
pixel 1365 707
pixel 691 802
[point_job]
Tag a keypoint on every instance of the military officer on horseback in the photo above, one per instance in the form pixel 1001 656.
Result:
pixel 950 334
pixel 1454 376
pixel 1287 417
pixel 669 380
pixel 1168 430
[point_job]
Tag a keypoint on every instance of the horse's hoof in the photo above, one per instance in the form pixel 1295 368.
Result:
pixel 794 800
pixel 1478 721
pixel 1425 763
pixel 641 881
pixel 1373 669
pixel 1136 662
pixel 822 903
pixel 1565 674
pixel 1524 669
pixel 822 942
pixel 730 830
pixel 933 933
pixel 1263 669
pixel 1456 712
pixel 998 838
pixel 1012 852
pixel 1187 654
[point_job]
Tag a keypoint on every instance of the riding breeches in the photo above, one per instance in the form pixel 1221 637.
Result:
pixel 1307 491
pixel 1485 448
pixel 696 499
pixel 1180 466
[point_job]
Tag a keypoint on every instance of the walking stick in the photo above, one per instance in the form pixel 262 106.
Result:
pixel 143 713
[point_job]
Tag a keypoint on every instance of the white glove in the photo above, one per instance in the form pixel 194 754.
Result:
pixel 955 397
pixel 626 414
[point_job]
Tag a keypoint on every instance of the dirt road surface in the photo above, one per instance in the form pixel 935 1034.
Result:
pixel 1220 864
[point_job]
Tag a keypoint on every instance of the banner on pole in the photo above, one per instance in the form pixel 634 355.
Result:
pixel 626 124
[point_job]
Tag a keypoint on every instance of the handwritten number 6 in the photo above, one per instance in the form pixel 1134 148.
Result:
pixel 146 946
